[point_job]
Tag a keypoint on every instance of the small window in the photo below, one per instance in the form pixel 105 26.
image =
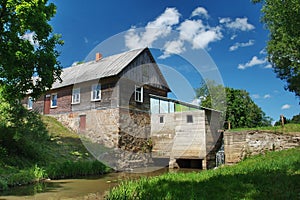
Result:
pixel 161 119
pixel 53 99
pixel 76 96
pixel 29 103
pixel 138 94
pixel 189 118
pixel 96 92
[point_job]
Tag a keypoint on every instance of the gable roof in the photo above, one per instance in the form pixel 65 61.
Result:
pixel 106 67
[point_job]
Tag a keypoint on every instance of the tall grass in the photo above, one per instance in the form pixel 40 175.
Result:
pixel 274 175
pixel 70 169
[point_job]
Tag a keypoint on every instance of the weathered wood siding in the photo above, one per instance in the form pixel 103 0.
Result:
pixel 144 71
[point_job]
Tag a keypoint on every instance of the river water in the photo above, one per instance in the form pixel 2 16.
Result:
pixel 84 188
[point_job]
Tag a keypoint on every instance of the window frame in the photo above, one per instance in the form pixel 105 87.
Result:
pixel 139 94
pixel 75 91
pixel 51 100
pixel 161 119
pixel 94 88
pixel 189 119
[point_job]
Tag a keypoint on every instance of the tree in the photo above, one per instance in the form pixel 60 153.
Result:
pixel 282 19
pixel 241 111
pixel 28 59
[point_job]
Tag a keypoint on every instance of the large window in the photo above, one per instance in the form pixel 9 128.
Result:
pixel 76 96
pixel 53 99
pixel 96 92
pixel 29 103
pixel 138 94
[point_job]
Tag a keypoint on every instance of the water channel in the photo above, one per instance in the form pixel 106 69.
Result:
pixel 83 188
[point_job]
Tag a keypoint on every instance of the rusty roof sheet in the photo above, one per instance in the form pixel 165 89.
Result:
pixel 106 67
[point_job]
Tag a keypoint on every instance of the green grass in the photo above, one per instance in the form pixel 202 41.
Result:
pixel 274 175
pixel 288 128
pixel 63 156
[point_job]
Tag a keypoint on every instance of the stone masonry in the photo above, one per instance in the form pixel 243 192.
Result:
pixel 239 145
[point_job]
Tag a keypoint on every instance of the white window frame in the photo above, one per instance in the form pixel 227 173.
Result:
pixel 139 94
pixel 76 96
pixel 94 89
pixel 29 103
pixel 51 100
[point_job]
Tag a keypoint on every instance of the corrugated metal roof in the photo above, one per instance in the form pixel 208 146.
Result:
pixel 106 67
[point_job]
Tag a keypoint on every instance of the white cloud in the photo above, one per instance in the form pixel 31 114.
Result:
pixel 238 24
pixel 200 11
pixel 224 20
pixel 268 66
pixel 172 47
pixel 263 52
pixel 255 96
pixel 254 61
pixel 241 44
pixel 197 34
pixel 285 107
pixel 233 37
pixel 31 37
pixel 267 96
pixel 160 27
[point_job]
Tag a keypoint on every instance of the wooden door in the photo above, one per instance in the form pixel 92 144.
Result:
pixel 82 122
pixel 47 104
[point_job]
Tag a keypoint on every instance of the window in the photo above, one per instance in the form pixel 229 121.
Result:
pixel 161 119
pixel 76 96
pixel 96 92
pixel 189 118
pixel 29 103
pixel 138 94
pixel 53 99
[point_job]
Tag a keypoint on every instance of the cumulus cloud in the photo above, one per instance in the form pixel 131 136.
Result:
pixel 199 35
pixel 172 47
pixel 254 61
pixel 267 96
pixel 255 96
pixel 285 107
pixel 241 44
pixel 160 27
pixel 200 11
pixel 238 24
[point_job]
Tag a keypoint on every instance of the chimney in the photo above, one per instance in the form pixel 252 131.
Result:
pixel 98 56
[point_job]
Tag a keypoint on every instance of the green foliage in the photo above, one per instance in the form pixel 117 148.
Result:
pixel 20 131
pixel 240 110
pixel 27 47
pixel 295 120
pixel 274 175
pixel 70 169
pixel 282 19
pixel 46 149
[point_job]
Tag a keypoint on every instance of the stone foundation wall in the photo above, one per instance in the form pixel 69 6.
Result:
pixel 117 136
pixel 239 145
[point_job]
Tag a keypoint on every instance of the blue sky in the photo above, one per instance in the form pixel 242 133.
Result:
pixel 229 31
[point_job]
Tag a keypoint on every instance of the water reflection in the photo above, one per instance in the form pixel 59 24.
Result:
pixel 84 188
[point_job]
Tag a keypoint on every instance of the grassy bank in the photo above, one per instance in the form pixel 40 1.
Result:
pixel 61 155
pixel 274 175
pixel 288 128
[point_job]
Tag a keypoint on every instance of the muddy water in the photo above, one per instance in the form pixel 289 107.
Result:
pixel 85 188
